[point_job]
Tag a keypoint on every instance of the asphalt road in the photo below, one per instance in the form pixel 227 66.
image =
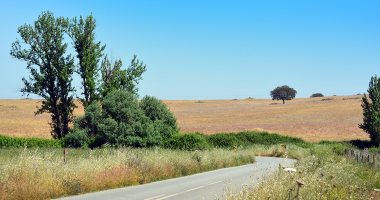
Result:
pixel 207 185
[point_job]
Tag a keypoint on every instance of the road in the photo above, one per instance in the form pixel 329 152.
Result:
pixel 207 185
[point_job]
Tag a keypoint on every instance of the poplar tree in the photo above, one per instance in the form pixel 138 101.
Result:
pixel 89 53
pixel 51 70
pixel 371 110
pixel 115 78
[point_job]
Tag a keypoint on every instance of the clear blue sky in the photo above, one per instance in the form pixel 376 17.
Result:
pixel 220 49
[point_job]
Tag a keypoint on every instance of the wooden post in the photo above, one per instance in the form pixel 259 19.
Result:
pixel 64 157
pixel 368 159
pixel 357 157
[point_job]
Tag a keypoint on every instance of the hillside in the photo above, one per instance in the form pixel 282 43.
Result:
pixel 308 118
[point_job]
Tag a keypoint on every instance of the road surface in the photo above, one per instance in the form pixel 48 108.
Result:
pixel 207 185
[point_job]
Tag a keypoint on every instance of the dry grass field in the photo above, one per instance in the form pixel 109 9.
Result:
pixel 308 118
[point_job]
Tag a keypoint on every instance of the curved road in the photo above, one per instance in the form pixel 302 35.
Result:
pixel 207 185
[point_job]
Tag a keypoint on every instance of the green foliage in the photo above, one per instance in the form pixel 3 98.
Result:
pixel 78 138
pixel 163 120
pixel 114 78
pixel 371 110
pixel 122 120
pixel 283 93
pixel 317 95
pixel 125 123
pixel 88 52
pixel 224 140
pixel 229 140
pixel 7 142
pixel 52 77
pixel 189 141
pixel 249 138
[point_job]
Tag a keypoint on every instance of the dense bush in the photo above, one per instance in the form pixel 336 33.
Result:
pixel 188 141
pixel 249 138
pixel 317 95
pixel 224 140
pixel 7 141
pixel 122 120
pixel 229 140
pixel 163 120
pixel 78 138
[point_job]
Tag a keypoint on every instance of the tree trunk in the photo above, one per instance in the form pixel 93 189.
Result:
pixel 283 101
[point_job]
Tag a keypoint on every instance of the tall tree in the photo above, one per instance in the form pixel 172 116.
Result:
pixel 283 93
pixel 52 77
pixel 371 110
pixel 89 53
pixel 114 78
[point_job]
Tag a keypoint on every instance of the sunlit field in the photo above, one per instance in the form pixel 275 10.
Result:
pixel 309 118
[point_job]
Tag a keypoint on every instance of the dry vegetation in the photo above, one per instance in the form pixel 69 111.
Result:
pixel 41 173
pixel 308 118
pixel 320 174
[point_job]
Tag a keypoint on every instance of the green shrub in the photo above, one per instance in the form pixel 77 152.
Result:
pixel 163 120
pixel 228 140
pixel 122 120
pixel 7 141
pixel 248 138
pixel 317 95
pixel 124 123
pixel 188 141
pixel 78 138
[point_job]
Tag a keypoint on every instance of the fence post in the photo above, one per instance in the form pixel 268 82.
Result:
pixel 64 157
pixel 357 157
pixel 368 158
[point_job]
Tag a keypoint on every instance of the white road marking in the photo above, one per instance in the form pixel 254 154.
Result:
pixel 165 197
pixel 155 197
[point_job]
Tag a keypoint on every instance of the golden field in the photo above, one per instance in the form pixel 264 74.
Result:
pixel 309 118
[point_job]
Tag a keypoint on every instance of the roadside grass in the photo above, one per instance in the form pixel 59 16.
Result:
pixel 40 173
pixel 325 173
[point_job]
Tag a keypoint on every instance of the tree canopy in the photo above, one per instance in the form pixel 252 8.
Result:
pixel 114 78
pixel 51 70
pixel 283 93
pixel 88 52
pixel 371 110
pixel 123 120
pixel 317 95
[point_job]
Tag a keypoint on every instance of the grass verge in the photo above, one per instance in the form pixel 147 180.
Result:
pixel 321 174
pixel 42 174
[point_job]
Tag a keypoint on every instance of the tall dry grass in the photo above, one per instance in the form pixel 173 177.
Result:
pixel 322 174
pixel 41 173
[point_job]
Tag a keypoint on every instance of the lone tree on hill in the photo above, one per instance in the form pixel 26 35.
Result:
pixel 283 93
pixel 371 110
